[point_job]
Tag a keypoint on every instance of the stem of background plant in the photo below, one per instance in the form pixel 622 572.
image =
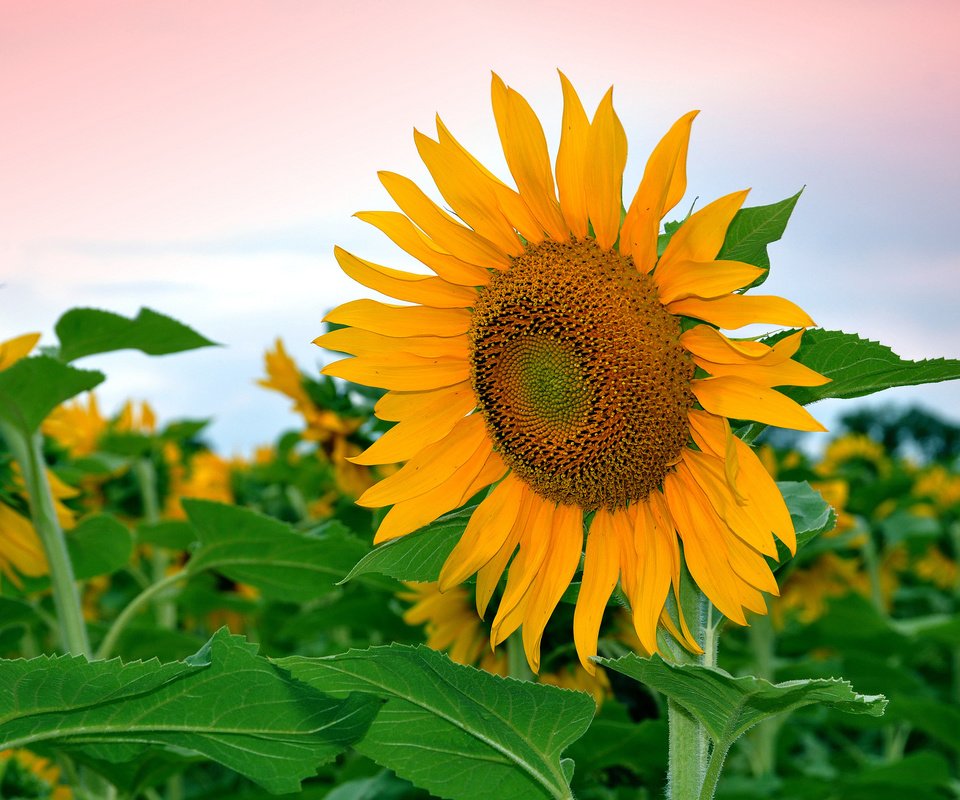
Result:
pixel 131 609
pixel 955 540
pixel 688 745
pixel 28 451
pixel 160 560
pixel 871 560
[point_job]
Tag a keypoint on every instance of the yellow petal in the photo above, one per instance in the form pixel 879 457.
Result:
pixel 653 574
pixel 410 515
pixel 534 542
pixel 765 496
pixel 704 551
pixel 664 182
pixel 606 158
pixel 712 434
pixel 707 472
pixel 572 161
pixel 453 237
pixel 601 568
pixel 396 406
pixel 736 310
pixel 487 530
pixel 358 342
pixel 493 470
pixel 525 149
pixel 508 200
pixel 473 200
pixel 392 320
pixel 676 279
pixel 488 577
pixel 402 232
pixel 701 236
pixel 425 289
pixel 431 467
pixel 736 398
pixel 401 371
pixel 405 439
pixel 14 349
pixel 787 373
pixel 559 567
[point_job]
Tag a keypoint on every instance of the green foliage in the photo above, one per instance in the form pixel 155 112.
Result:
pixel 99 545
pixel 456 731
pixel 752 229
pixel 33 387
pixel 251 548
pixel 418 556
pixel 225 703
pixel 858 367
pixel 87 331
pixel 811 514
pixel 727 706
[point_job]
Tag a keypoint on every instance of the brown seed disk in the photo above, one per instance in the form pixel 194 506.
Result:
pixel 580 375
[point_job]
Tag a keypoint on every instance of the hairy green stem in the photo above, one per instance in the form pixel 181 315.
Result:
pixel 28 451
pixel 134 606
pixel 689 743
pixel 517 666
pixel 764 736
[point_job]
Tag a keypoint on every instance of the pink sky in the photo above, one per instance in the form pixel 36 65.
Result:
pixel 204 158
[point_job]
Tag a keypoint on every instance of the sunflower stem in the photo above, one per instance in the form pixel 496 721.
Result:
pixel 28 451
pixel 517 666
pixel 689 775
pixel 147 480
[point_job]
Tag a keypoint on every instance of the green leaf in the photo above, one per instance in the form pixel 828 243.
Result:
pixel 615 740
pixel 16 613
pixel 728 706
pixel 859 367
pixel 456 731
pixel 86 331
pixel 419 556
pixel 171 534
pixel 225 703
pixel 752 229
pixel 33 387
pixel 811 514
pixel 99 545
pixel 281 562
pixel 933 717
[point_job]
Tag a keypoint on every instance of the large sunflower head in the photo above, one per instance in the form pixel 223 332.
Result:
pixel 557 360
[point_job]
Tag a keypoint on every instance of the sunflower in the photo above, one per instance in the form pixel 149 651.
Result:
pixel 557 361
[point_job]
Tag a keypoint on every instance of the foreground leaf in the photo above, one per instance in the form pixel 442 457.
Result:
pixel 33 387
pixel 419 556
pixel 225 703
pixel 87 331
pixel 752 229
pixel 728 706
pixel 282 563
pixel 456 731
pixel 858 367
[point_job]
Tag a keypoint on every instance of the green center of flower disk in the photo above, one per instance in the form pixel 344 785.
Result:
pixel 580 375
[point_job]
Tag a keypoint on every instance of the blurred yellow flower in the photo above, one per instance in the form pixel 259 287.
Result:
pixel 39 768
pixel 76 426
pixel 205 476
pixel 853 447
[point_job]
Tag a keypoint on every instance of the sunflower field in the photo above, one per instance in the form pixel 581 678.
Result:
pixel 542 532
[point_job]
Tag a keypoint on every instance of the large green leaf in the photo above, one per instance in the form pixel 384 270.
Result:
pixel 225 703
pixel 419 556
pixel 99 545
pixel 858 367
pixel 86 331
pixel 281 562
pixel 456 731
pixel 752 229
pixel 33 387
pixel 728 706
